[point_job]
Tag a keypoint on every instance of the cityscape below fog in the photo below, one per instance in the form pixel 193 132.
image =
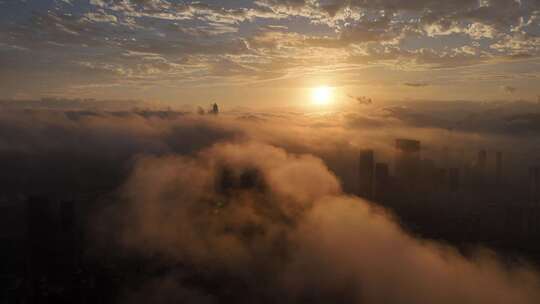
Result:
pixel 464 201
pixel 460 199
pixel 269 151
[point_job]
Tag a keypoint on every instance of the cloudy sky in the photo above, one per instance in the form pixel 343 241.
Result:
pixel 270 51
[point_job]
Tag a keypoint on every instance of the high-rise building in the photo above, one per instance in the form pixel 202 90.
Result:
pixel 41 245
pixel 70 236
pixel 481 166
pixel 366 168
pixel 382 180
pixel 534 183
pixel 40 221
pixel 498 168
pixel 482 159
pixel 215 109
pixel 408 166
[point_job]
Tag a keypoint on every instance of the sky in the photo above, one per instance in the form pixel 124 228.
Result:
pixel 261 197
pixel 270 52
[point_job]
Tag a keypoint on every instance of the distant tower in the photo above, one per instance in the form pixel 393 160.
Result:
pixel 366 168
pixel 446 156
pixel 382 180
pixel 407 165
pixel 534 182
pixel 481 166
pixel 482 159
pixel 215 109
pixel 40 223
pixel 40 241
pixel 498 168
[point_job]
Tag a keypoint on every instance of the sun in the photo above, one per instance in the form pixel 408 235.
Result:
pixel 321 95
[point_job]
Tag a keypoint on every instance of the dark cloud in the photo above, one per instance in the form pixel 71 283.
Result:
pixel 79 140
pixel 361 100
pixel 509 89
pixel 237 209
pixel 87 149
pixel 257 213
pixel 416 84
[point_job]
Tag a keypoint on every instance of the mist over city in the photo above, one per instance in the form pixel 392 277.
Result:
pixel 270 151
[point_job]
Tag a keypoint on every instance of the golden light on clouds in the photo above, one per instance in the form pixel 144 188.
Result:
pixel 322 95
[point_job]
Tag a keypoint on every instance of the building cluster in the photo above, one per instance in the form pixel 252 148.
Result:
pixel 43 254
pixel 45 248
pixel 466 201
pixel 49 257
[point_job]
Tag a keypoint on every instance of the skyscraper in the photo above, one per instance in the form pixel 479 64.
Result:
pixel 366 170
pixel 534 183
pixel 481 166
pixel 382 180
pixel 407 165
pixel 482 159
pixel 215 109
pixel 498 168
pixel 41 245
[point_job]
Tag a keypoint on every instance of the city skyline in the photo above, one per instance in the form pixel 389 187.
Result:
pixel 270 151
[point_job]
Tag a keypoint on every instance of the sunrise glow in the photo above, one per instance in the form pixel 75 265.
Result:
pixel 322 95
pixel 264 151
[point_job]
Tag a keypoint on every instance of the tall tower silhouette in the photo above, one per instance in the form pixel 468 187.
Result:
pixel 498 168
pixel 481 167
pixel 215 109
pixel 407 165
pixel 381 180
pixel 534 183
pixel 366 172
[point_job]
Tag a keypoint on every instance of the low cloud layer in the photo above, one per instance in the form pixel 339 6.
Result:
pixel 91 149
pixel 278 225
pixel 234 207
pixel 509 89
pixel 416 84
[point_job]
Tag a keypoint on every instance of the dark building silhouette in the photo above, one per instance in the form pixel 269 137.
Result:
pixel 225 182
pixel 53 249
pixel 215 109
pixel 382 180
pixel 41 228
pixel 366 168
pixel 481 166
pixel 69 235
pixel 408 166
pixel 482 159
pixel 498 167
pixel 534 183
pixel 230 181
pixel 430 175
pixel 40 253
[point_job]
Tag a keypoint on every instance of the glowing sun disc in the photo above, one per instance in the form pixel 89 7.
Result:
pixel 321 95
